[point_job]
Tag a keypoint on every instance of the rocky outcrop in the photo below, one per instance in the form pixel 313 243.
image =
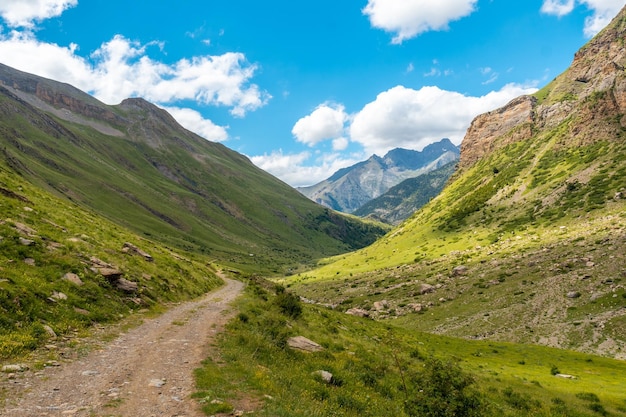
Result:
pixel 508 124
pixel 591 94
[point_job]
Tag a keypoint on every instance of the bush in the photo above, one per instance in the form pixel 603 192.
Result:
pixel 443 389
pixel 289 304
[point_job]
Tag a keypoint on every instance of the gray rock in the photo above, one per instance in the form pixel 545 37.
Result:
pixel 573 294
pixel 158 383
pixel 359 312
pixel 126 285
pixel 50 331
pixel 426 289
pixel 19 367
pixel 73 278
pixel 303 344
pixel 459 270
pixel 323 375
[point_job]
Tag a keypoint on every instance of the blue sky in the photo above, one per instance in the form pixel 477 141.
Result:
pixel 305 88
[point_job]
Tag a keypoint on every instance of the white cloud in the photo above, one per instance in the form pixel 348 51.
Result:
pixel 194 121
pixel 409 18
pixel 407 118
pixel 121 68
pixel 340 144
pixel 557 7
pixel 603 12
pixel 325 122
pixel 23 13
pixel 294 170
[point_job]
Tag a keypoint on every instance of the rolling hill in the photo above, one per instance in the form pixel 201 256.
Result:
pixel 135 165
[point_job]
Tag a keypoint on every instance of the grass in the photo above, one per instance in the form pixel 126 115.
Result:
pixel 379 369
pixel 43 238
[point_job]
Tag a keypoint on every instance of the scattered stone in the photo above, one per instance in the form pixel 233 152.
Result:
pixel 323 375
pixel 359 312
pixel 158 383
pixel 19 367
pixel 590 264
pixel 90 373
pixel 82 311
pixel 58 296
pixel 29 261
pixel 130 248
pixel 303 344
pixel 25 230
pixel 381 305
pixel 426 289
pixel 26 242
pixel 566 376
pixel 415 307
pixel 126 285
pixel 112 274
pixel 73 278
pixel 459 271
pixel 49 330
pixel 238 413
pixel 573 294
pixel 28 209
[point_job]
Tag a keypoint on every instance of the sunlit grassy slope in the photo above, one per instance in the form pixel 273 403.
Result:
pixel 381 370
pixel 44 238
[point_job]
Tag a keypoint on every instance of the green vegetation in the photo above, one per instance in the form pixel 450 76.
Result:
pixel 379 369
pixel 43 238
pixel 134 165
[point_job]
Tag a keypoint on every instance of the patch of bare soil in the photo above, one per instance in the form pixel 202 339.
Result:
pixel 147 371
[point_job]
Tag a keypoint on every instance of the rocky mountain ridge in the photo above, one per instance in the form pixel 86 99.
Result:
pixel 589 93
pixel 350 188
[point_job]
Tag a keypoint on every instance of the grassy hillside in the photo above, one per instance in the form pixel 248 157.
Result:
pixel 57 264
pixel 527 241
pixel 133 164
pixel 382 370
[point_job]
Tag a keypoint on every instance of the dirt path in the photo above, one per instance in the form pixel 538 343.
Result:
pixel 145 372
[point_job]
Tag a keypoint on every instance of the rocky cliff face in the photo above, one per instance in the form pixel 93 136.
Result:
pixel 591 93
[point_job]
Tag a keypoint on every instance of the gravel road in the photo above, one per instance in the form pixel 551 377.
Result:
pixel 145 372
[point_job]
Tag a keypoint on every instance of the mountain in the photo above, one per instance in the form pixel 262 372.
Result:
pixel 402 200
pixel 350 188
pixel 135 165
pixel 527 241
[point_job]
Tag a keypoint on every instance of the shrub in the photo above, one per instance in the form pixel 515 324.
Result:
pixel 289 304
pixel 443 389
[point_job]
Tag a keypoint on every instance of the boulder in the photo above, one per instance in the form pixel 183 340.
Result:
pixel 325 376
pixel 73 278
pixel 303 344
pixel 426 289
pixel 459 271
pixel 573 294
pixel 126 285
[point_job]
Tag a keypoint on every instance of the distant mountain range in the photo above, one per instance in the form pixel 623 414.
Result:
pixel 402 200
pixel 350 188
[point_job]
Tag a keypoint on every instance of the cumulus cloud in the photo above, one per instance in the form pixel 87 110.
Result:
pixel 122 68
pixel 301 169
pixel 23 13
pixel 194 121
pixel 409 18
pixel 408 118
pixel 324 123
pixel 603 11
pixel 557 7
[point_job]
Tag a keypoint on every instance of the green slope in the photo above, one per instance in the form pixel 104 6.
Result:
pixel 535 219
pixel 133 164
